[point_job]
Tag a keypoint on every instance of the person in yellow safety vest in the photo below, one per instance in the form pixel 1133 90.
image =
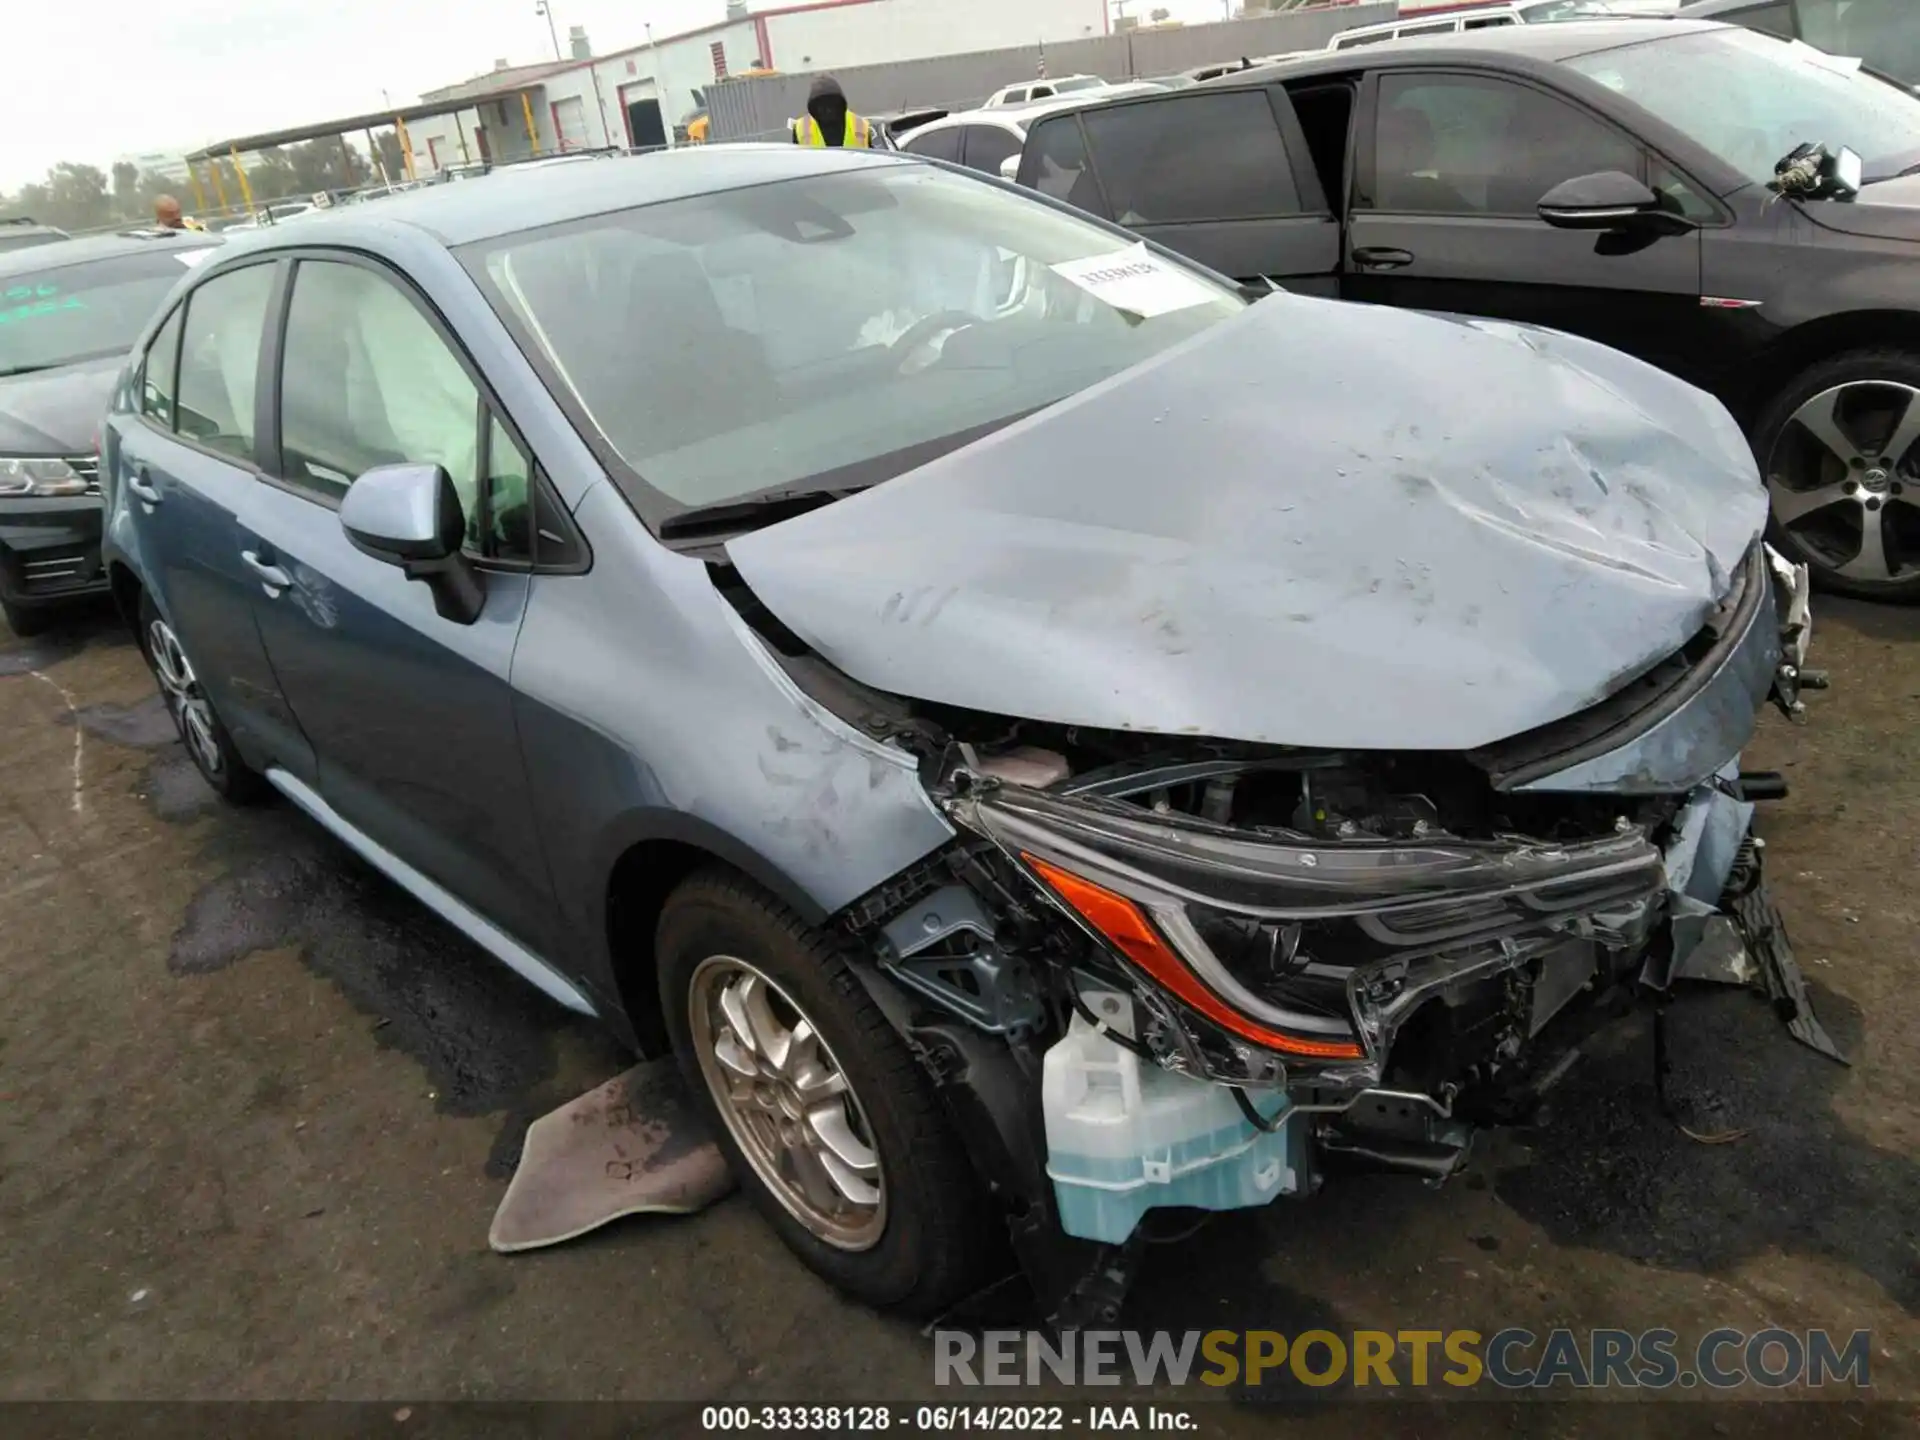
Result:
pixel 828 120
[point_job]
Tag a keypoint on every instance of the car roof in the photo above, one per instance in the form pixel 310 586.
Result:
pixel 1551 44
pixel 59 253
pixel 515 198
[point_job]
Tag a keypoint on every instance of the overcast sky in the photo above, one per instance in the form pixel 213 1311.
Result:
pixel 94 79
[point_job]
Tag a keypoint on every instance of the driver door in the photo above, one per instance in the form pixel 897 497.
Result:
pixel 1450 168
pixel 410 714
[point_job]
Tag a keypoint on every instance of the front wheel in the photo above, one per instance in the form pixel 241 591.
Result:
pixel 1839 449
pixel 822 1111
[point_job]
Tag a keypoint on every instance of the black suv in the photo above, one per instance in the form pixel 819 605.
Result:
pixel 1434 174
pixel 68 315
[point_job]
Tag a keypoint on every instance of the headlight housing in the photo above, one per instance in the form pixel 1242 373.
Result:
pixel 1300 947
pixel 39 476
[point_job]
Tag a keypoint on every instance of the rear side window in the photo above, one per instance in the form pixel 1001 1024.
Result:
pixel 936 144
pixel 1777 20
pixel 1458 145
pixel 1055 164
pixel 1193 157
pixel 159 373
pixel 220 359
pixel 988 145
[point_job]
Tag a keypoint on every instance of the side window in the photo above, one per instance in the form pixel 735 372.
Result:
pixel 1438 27
pixel 1055 164
pixel 366 381
pixel 1456 145
pixel 1040 92
pixel 220 359
pixel 1777 19
pixel 1676 194
pixel 1882 32
pixel 159 372
pixel 1487 22
pixel 988 145
pixel 936 144
pixel 509 509
pixel 1193 157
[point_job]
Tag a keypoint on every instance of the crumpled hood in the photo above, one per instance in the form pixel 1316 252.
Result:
pixel 56 412
pixel 1316 523
pixel 1886 210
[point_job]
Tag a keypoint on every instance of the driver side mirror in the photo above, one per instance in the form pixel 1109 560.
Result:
pixel 1609 200
pixel 410 516
pixel 1010 167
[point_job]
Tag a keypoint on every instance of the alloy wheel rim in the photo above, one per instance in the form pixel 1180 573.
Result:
pixel 1842 481
pixel 192 712
pixel 787 1103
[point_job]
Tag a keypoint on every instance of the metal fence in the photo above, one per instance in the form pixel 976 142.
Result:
pixel 759 109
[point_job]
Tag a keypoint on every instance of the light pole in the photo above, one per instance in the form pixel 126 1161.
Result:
pixel 542 7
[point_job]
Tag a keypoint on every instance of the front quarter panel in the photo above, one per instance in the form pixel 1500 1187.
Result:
pixel 648 710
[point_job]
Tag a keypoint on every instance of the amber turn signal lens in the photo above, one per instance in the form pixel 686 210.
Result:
pixel 1129 931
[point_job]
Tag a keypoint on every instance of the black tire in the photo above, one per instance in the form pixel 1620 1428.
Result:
pixel 25 621
pixel 938 1234
pixel 229 775
pixel 1869 366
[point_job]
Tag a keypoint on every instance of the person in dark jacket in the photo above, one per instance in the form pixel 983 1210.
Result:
pixel 828 120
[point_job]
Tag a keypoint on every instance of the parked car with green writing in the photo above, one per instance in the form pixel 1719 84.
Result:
pixel 69 312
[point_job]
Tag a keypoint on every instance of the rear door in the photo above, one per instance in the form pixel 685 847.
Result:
pixel 1221 176
pixel 1450 166
pixel 410 715
pixel 189 462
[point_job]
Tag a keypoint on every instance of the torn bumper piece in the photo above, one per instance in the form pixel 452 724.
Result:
pixel 1739 937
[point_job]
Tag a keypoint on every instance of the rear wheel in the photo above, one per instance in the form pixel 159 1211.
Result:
pixel 1840 451
pixel 206 739
pixel 823 1113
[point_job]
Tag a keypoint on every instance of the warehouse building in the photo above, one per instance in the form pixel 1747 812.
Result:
pixel 636 96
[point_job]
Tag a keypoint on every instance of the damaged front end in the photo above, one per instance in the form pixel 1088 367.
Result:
pixel 1231 967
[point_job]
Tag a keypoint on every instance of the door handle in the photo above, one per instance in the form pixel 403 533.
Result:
pixel 1381 257
pixel 140 485
pixel 272 578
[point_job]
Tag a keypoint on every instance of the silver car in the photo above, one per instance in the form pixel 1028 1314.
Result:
pixel 1042 738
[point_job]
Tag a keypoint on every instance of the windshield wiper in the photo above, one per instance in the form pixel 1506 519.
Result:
pixel 30 369
pixel 726 516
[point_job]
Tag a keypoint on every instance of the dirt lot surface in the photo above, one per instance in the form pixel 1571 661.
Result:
pixel 257 1108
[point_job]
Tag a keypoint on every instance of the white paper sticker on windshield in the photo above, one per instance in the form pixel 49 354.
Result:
pixel 1135 280
pixel 191 258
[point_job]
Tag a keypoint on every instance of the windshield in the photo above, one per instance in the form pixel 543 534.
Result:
pixel 1767 98
pixel 829 331
pixel 81 312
